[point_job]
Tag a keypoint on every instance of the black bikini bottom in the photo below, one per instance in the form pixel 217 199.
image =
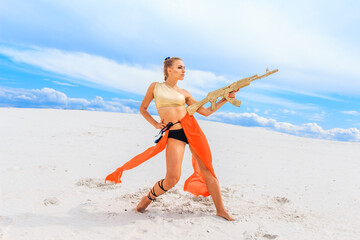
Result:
pixel 178 134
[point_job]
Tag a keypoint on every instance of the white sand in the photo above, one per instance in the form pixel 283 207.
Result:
pixel 277 186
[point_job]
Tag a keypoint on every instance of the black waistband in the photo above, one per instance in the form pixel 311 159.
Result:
pixel 164 129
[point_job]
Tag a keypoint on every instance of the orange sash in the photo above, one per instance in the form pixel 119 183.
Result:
pixel 195 184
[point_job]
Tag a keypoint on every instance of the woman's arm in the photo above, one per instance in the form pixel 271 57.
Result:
pixel 203 110
pixel 149 96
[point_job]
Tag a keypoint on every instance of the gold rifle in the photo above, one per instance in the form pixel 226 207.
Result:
pixel 224 92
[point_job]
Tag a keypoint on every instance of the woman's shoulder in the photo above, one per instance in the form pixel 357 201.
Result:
pixel 153 84
pixel 156 83
pixel 185 92
pixel 182 89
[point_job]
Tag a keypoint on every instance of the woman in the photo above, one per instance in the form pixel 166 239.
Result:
pixel 182 129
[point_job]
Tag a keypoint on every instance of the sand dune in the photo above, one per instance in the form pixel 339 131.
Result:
pixel 277 186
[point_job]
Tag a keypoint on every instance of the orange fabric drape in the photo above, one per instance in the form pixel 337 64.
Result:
pixel 195 184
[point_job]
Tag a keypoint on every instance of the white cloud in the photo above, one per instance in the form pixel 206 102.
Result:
pixel 354 113
pixel 45 96
pixel 199 83
pixel 312 130
pixel 77 103
pixel 283 89
pixel 261 98
pixel 86 68
pixel 286 111
pixel 318 117
pixel 303 39
pixel 89 69
pixel 50 98
pixel 64 84
pixel 268 111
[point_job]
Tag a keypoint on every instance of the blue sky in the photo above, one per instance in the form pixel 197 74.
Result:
pixel 102 55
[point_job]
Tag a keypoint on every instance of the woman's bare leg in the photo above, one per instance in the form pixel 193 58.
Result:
pixel 174 156
pixel 213 187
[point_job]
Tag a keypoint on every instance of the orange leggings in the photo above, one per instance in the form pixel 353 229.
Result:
pixel 195 184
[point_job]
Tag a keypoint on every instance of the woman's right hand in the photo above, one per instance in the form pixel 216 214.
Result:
pixel 160 125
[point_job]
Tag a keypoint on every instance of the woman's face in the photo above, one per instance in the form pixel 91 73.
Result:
pixel 177 70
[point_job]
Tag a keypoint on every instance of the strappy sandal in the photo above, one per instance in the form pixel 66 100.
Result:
pixel 152 191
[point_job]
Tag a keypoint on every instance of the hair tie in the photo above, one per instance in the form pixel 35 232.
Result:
pixel 167 58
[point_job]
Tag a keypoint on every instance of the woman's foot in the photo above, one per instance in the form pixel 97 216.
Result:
pixel 225 215
pixel 143 204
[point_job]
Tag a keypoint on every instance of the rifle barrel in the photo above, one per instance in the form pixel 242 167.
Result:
pixel 265 75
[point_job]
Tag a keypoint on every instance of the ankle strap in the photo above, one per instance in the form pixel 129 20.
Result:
pixel 161 184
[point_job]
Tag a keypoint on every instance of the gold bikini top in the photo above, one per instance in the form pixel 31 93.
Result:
pixel 166 96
